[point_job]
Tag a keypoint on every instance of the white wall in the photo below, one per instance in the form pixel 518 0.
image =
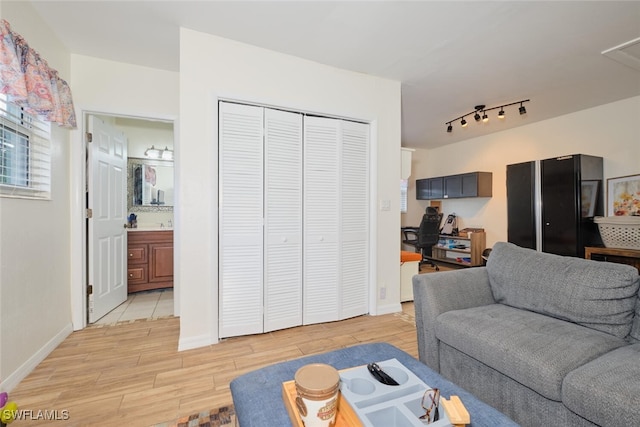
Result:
pixel 610 131
pixel 142 134
pixel 212 67
pixel 115 88
pixel 35 312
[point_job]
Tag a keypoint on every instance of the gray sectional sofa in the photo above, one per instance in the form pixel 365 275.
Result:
pixel 545 339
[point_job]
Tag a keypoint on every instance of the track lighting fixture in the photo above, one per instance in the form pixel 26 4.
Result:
pixel 477 115
pixel 522 109
pixel 485 118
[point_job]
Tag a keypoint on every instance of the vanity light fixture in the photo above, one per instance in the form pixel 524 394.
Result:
pixel 153 153
pixel 167 154
pixel 482 109
pixel 157 153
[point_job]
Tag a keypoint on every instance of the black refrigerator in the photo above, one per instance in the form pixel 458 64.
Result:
pixel 551 204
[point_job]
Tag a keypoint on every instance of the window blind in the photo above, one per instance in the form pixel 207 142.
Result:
pixel 404 184
pixel 25 153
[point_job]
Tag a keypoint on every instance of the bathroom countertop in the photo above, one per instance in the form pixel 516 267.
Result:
pixel 151 229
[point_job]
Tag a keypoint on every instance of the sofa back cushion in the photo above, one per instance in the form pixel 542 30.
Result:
pixel 598 295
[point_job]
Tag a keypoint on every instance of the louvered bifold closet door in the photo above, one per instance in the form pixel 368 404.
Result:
pixel 240 219
pixel 354 223
pixel 283 220
pixel 321 220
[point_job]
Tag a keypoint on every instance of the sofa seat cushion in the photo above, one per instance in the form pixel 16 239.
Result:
pixel 532 349
pixel 607 389
pixel 595 294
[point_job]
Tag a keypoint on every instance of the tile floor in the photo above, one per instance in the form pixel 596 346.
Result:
pixel 141 305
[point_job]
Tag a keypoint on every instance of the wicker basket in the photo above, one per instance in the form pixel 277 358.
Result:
pixel 619 231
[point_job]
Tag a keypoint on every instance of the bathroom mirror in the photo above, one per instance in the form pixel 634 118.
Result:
pixel 149 185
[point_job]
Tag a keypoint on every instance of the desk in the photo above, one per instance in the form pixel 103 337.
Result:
pixel 620 256
pixel 409 267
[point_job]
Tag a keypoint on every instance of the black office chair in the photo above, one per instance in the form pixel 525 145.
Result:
pixel 410 237
pixel 428 235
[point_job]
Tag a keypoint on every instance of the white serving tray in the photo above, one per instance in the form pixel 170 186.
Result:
pixel 381 405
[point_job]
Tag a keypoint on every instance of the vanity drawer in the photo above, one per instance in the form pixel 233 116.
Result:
pixel 137 274
pixel 137 253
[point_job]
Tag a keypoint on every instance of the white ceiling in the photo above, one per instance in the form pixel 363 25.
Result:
pixel 449 55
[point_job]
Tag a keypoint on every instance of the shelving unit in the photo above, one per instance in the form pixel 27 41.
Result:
pixel 459 250
pixel 620 256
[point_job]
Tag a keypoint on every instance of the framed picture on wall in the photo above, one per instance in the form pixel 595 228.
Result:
pixel 589 194
pixel 623 196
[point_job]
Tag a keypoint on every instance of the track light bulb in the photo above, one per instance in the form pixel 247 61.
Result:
pixel 477 117
pixel 522 110
pixel 501 113
pixel 485 118
pixel 463 122
pixel 449 128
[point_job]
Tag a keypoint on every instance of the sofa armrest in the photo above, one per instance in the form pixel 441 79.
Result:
pixel 437 293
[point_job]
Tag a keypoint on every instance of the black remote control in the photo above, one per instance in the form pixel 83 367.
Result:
pixel 381 375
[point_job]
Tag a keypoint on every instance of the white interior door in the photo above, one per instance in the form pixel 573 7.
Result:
pixel 321 220
pixel 107 249
pixel 354 222
pixel 283 220
pixel 240 228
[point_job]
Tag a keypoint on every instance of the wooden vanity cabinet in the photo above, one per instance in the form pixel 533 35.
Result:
pixel 150 260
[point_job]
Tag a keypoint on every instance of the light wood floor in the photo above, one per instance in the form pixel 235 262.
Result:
pixel 132 374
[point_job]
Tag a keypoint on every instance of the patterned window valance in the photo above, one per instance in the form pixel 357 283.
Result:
pixel 30 83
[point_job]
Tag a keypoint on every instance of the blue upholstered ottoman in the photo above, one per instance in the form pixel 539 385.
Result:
pixel 257 395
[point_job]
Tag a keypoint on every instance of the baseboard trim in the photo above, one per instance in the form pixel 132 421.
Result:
pixel 13 379
pixel 195 342
pixel 388 309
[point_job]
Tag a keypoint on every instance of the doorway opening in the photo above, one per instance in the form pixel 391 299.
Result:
pixel 128 283
pixel 150 305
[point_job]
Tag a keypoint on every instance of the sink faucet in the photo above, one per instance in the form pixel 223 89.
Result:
pixel 170 224
pixel 162 225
